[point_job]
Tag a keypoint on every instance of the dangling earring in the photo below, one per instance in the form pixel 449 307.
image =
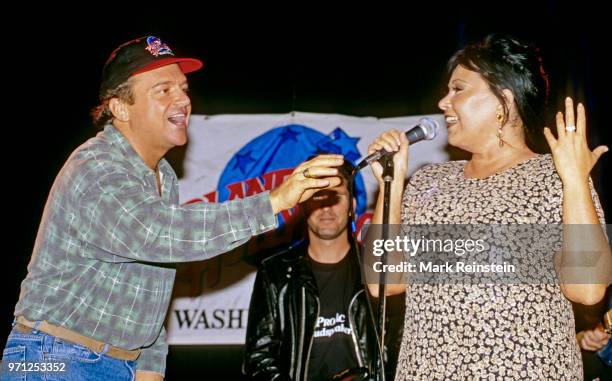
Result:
pixel 500 125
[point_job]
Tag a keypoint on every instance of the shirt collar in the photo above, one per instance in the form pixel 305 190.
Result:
pixel 117 140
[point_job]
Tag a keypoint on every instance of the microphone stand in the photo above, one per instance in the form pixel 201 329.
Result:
pixel 387 163
pixel 388 169
pixel 387 175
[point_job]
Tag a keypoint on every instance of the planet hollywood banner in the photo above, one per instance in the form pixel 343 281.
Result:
pixel 236 156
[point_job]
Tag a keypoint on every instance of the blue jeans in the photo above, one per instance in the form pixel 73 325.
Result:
pixel 605 353
pixel 38 356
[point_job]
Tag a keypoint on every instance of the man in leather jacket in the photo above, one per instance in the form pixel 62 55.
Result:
pixel 309 317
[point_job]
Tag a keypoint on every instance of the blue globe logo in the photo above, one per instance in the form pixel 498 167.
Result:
pixel 260 163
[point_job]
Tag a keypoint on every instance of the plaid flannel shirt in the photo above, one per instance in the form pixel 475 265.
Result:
pixel 100 264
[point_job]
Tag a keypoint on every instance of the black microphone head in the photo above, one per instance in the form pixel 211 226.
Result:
pixel 429 127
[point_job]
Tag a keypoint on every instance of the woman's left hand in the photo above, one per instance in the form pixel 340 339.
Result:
pixel 571 154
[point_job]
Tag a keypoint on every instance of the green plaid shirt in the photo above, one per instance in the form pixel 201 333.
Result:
pixel 98 262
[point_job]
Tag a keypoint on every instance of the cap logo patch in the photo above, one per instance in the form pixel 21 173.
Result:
pixel 156 47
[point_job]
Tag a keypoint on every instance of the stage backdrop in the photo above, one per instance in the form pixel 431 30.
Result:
pixel 232 156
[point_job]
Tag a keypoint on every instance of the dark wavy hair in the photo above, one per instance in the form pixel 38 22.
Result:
pixel 507 63
pixel 101 114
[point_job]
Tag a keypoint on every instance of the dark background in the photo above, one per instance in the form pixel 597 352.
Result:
pixel 372 63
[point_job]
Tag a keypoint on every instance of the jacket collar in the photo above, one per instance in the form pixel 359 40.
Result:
pixel 301 268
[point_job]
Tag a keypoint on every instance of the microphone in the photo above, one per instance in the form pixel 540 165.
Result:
pixel 426 129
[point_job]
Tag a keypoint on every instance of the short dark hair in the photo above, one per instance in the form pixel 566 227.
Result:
pixel 101 114
pixel 345 171
pixel 507 63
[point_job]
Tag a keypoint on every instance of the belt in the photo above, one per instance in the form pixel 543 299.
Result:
pixel 25 326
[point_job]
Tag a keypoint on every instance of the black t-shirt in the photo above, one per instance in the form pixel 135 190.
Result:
pixel 333 349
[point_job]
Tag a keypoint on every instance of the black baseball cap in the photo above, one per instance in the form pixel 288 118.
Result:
pixel 138 56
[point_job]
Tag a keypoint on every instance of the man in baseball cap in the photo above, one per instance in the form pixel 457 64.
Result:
pixel 99 283
pixel 134 57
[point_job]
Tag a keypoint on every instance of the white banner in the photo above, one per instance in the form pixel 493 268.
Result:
pixel 231 156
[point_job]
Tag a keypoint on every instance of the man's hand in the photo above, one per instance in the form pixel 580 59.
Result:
pixel 148 376
pixel 593 339
pixel 308 178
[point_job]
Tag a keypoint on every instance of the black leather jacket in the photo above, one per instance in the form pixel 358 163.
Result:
pixel 282 317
